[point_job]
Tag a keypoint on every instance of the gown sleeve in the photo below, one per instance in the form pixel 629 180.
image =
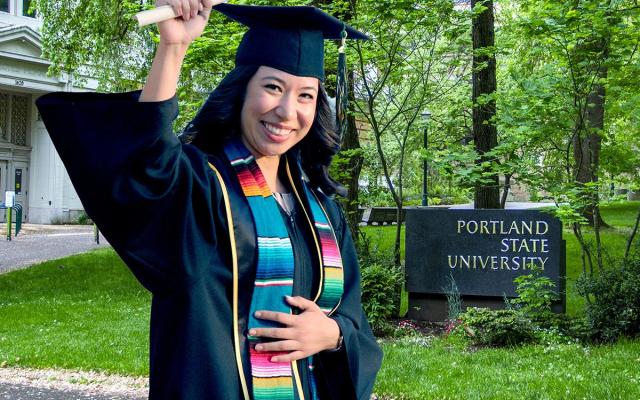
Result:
pixel 150 196
pixel 351 371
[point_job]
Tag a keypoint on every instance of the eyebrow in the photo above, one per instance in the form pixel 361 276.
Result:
pixel 283 83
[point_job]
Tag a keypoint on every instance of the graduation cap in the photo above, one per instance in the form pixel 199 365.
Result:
pixel 290 39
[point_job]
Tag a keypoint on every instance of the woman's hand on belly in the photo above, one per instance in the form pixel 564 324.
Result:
pixel 302 335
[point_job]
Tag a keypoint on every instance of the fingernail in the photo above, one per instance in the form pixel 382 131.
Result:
pixel 274 359
pixel 252 332
pixel 258 314
pixel 288 297
pixel 259 347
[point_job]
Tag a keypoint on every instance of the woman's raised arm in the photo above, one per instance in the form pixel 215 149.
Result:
pixel 175 37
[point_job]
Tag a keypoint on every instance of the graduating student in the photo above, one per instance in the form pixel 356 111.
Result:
pixel 233 229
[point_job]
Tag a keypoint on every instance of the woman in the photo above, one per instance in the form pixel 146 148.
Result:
pixel 254 295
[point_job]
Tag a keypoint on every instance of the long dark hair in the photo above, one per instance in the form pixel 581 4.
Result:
pixel 219 118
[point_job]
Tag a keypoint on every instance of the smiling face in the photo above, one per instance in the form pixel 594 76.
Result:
pixel 278 111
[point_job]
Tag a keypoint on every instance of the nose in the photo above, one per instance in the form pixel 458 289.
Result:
pixel 287 107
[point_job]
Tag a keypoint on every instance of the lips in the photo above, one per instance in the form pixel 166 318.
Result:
pixel 276 133
pixel 276 130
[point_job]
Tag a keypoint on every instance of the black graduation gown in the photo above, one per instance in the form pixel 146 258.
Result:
pixel 165 212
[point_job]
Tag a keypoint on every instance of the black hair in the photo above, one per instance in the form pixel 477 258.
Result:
pixel 219 118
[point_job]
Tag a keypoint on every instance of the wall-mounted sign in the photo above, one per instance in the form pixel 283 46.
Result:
pixel 483 250
pixel 18 181
pixel 9 199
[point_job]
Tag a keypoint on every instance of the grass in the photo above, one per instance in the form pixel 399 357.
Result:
pixel 443 370
pixel 80 312
pixel 88 312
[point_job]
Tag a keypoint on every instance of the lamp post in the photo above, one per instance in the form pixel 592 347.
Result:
pixel 426 114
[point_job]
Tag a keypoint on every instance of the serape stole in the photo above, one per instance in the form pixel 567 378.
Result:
pixel 275 271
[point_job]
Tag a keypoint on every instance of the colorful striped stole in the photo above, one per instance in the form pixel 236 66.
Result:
pixel 275 271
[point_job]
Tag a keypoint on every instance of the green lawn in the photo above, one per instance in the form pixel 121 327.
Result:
pixel 85 311
pixel 442 371
pixel 88 312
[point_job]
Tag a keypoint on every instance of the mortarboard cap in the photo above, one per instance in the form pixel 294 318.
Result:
pixel 290 39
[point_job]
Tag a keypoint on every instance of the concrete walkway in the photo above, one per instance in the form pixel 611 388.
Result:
pixel 23 392
pixel 37 243
pixel 31 384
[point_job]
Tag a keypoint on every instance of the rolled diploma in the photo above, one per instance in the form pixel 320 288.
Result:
pixel 155 15
pixel 161 13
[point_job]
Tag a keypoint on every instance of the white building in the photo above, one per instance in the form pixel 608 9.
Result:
pixel 29 164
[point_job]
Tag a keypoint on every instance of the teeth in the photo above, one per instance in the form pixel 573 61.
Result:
pixel 277 131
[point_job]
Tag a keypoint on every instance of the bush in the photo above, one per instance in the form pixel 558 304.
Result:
pixel 528 318
pixel 83 219
pixel 614 307
pixel 381 286
pixel 496 327
pixel 536 294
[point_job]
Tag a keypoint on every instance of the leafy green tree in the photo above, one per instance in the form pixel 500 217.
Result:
pixel 562 95
pixel 402 70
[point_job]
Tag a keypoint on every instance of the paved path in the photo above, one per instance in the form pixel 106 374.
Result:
pixel 37 243
pixel 31 384
pixel 23 392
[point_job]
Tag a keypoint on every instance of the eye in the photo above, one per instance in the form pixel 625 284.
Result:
pixel 307 96
pixel 273 87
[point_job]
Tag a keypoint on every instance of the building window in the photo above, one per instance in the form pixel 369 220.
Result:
pixel 4 117
pixel 19 109
pixel 14 118
pixel 25 9
pixel 17 7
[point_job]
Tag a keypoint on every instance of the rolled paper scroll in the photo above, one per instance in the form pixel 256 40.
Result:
pixel 160 14
pixel 155 15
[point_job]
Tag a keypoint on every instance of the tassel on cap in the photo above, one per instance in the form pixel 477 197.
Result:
pixel 342 87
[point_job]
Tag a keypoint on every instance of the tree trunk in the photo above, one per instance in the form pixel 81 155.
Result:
pixel 587 145
pixel 627 250
pixel 505 190
pixel 485 134
pixel 351 141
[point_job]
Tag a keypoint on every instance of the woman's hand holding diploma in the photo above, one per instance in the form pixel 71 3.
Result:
pixel 176 34
pixel 191 17
pixel 164 12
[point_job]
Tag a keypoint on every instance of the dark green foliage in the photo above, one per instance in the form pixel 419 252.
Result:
pixel 527 318
pixel 536 294
pixel 83 219
pixel 614 309
pixel 381 285
pixel 497 327
pixel 576 328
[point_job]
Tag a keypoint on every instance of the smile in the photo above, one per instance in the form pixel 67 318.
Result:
pixel 275 130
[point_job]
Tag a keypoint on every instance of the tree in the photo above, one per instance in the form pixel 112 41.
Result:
pixel 406 66
pixel 566 54
pixel 485 135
